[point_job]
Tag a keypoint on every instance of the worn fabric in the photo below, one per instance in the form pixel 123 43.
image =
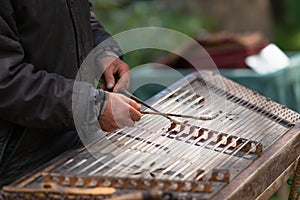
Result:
pixel 42 44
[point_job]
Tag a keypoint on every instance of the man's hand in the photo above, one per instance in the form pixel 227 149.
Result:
pixel 116 74
pixel 119 112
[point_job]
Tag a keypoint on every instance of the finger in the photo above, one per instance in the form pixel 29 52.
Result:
pixel 123 82
pixel 130 123
pixel 109 77
pixel 131 102
pixel 134 104
pixel 134 114
pixel 121 123
pixel 122 68
pixel 108 125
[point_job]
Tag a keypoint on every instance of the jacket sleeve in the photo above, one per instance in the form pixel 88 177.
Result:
pixel 102 39
pixel 28 97
pixel 99 32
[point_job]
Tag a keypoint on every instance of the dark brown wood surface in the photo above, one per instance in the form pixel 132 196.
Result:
pixel 263 171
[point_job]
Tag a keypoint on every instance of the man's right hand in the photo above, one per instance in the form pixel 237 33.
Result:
pixel 119 112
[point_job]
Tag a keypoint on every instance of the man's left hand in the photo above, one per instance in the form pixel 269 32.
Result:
pixel 116 74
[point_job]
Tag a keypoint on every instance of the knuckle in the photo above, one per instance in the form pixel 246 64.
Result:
pixel 125 65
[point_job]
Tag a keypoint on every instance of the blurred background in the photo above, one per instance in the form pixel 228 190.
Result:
pixel 277 20
pixel 217 22
pixel 222 23
pixel 219 26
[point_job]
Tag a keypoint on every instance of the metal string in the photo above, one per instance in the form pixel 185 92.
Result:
pixel 155 137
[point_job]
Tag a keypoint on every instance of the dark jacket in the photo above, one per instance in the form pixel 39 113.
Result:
pixel 42 44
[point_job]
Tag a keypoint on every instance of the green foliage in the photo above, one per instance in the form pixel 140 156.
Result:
pixel 286 38
pixel 274 198
pixel 121 15
pixel 292 13
pixel 287 32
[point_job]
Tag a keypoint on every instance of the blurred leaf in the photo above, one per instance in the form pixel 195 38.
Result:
pixel 143 13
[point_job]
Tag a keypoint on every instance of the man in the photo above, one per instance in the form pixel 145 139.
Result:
pixel 42 45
